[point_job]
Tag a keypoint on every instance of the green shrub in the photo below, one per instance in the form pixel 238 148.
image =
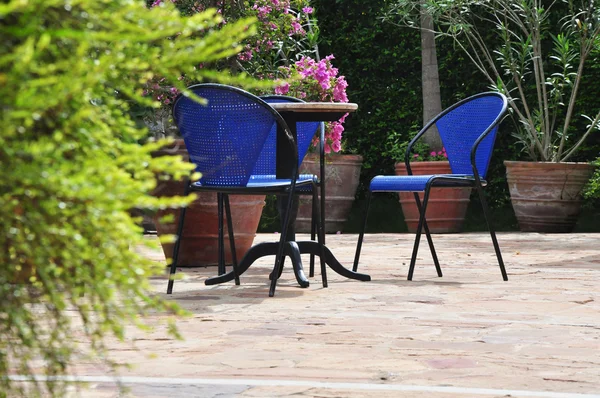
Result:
pixel 381 63
pixel 592 190
pixel 72 170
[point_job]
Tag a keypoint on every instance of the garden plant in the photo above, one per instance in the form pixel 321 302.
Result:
pixel 73 169
pixel 536 57
pixel 286 32
pixel 318 81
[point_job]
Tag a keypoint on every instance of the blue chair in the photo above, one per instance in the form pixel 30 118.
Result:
pixel 265 169
pixel 224 139
pixel 468 131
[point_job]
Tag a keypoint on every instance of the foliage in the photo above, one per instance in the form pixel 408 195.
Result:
pixel 397 145
pixel 536 59
pixel 286 32
pixel 387 86
pixel 422 153
pixel 317 81
pixel 384 86
pixel 592 190
pixel 72 171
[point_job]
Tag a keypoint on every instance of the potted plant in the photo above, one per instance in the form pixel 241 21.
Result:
pixel 448 208
pixel 285 29
pixel 535 54
pixel 318 80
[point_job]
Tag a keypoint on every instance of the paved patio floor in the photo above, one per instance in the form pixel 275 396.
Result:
pixel 467 334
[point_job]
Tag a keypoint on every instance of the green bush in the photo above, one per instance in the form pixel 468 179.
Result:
pixel 381 63
pixel 382 68
pixel 72 171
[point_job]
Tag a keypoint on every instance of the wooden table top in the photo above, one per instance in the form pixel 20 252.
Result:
pixel 314 106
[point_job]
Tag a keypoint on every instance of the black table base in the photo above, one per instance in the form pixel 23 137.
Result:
pixel 293 250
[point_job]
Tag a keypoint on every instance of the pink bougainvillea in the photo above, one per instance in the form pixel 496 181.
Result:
pixel 427 155
pixel 313 80
pixel 278 21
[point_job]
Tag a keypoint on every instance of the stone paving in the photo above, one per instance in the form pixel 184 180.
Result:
pixel 467 334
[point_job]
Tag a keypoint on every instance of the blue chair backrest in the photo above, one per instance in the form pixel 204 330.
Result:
pixel 224 138
pixel 461 125
pixel 305 131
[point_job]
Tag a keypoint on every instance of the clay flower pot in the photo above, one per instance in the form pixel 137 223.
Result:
pixel 342 173
pixel 447 207
pixel 546 196
pixel 199 246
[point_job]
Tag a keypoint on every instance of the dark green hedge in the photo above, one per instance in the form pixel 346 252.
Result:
pixel 382 65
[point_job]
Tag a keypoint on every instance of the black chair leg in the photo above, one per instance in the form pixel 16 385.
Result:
pixel 313 227
pixel 321 236
pixel 362 233
pixel 278 267
pixel 423 209
pixel 177 244
pixel 322 186
pixel 221 238
pixel 236 274
pixel 488 220
pixel 429 239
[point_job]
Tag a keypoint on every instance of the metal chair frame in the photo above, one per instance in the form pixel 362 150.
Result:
pixel 444 181
pixel 283 187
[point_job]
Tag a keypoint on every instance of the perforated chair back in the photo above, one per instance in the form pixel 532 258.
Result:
pixel 266 163
pixel 224 138
pixel 461 126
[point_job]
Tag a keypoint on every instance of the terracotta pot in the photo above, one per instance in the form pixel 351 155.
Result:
pixel 447 207
pixel 199 246
pixel 546 196
pixel 342 173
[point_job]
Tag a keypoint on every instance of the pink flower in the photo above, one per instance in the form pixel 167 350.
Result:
pixel 336 131
pixel 297 28
pixel 282 89
pixel 416 155
pixel 263 11
pixel 245 56
pixel 339 91
pixel 318 81
pixel 307 10
pixel 432 153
